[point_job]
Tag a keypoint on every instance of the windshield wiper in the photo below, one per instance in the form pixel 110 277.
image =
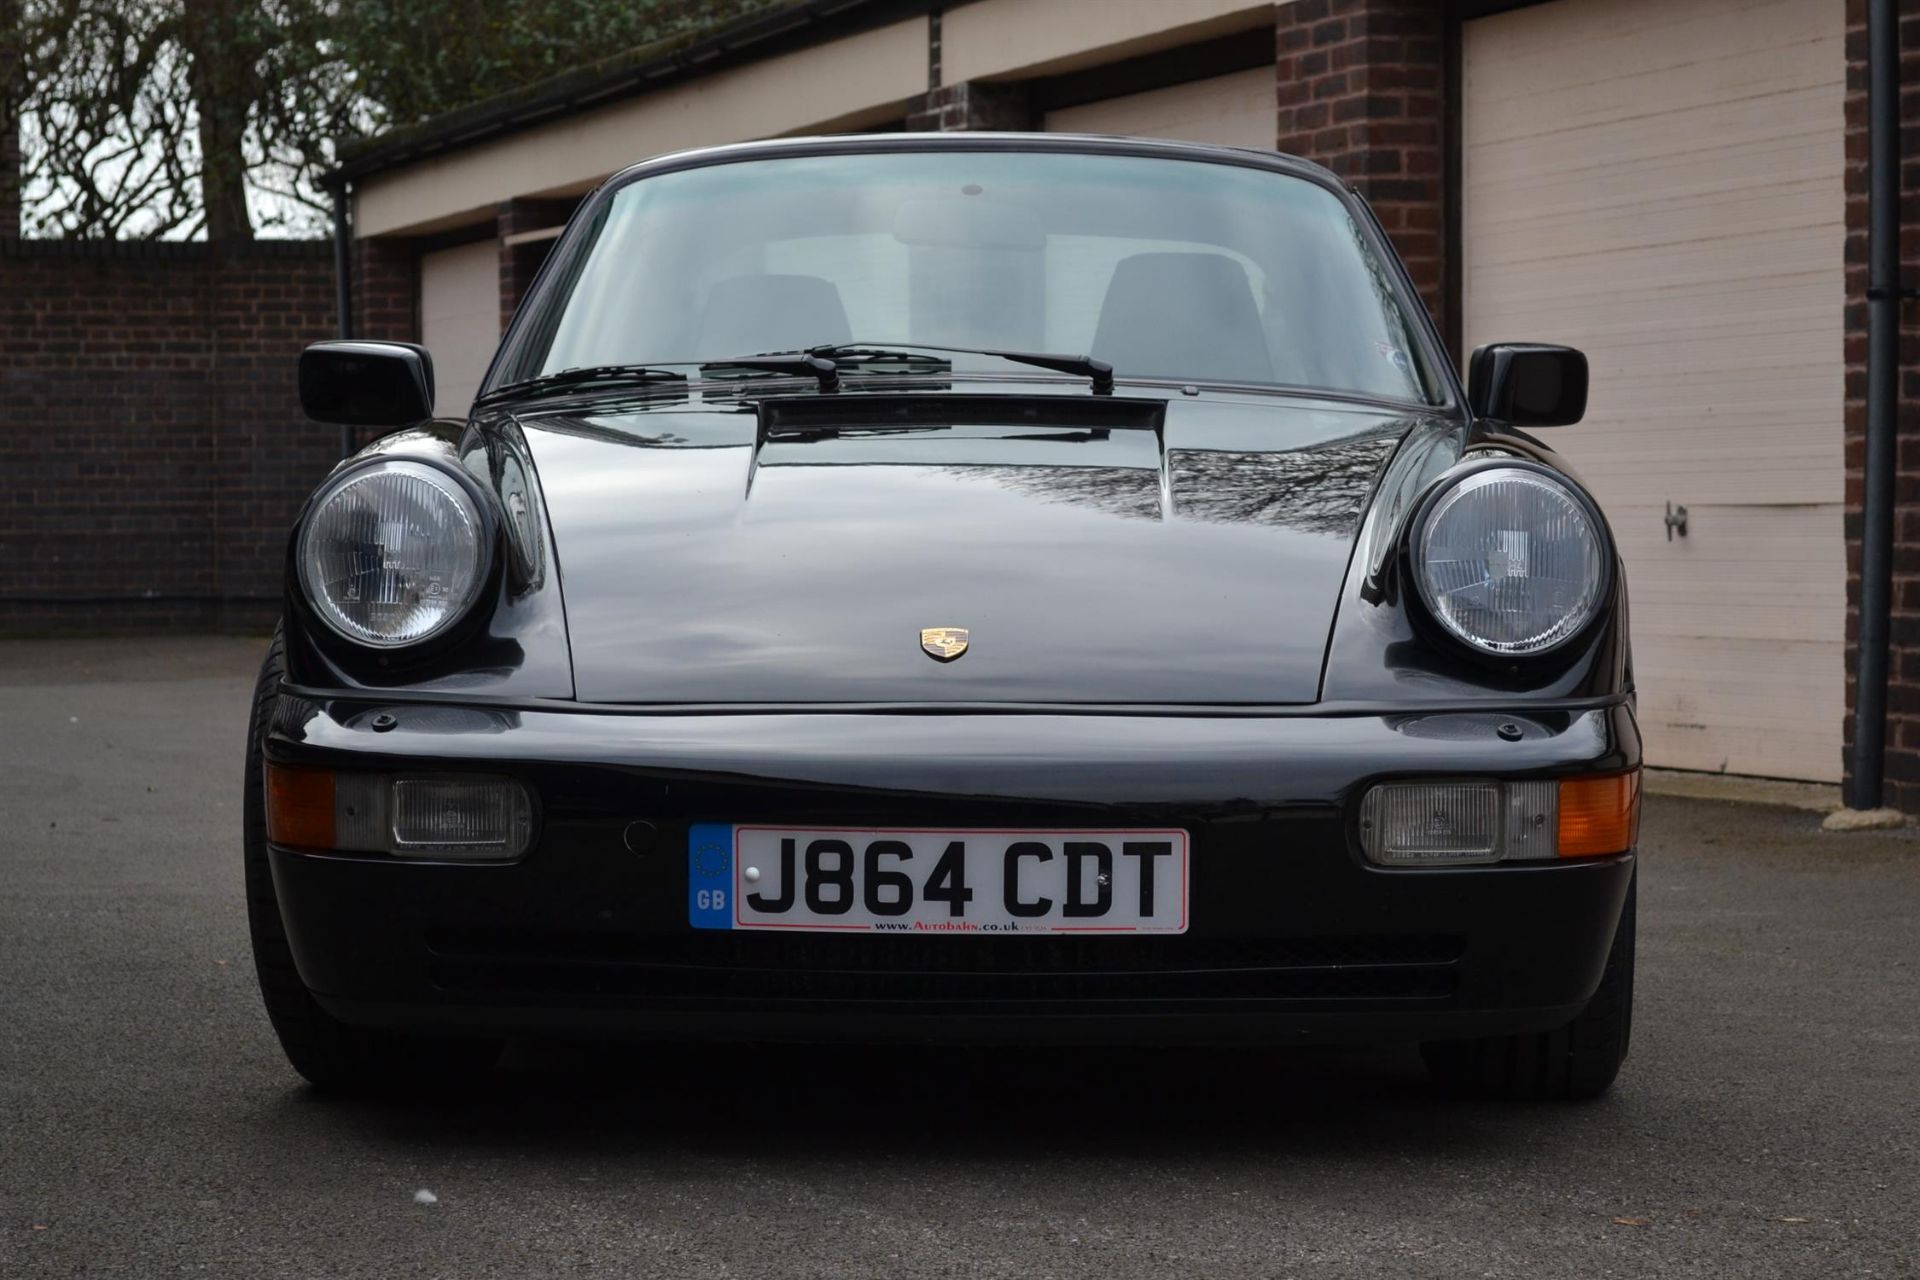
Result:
pixel 798 364
pixel 805 364
pixel 1086 366
pixel 567 379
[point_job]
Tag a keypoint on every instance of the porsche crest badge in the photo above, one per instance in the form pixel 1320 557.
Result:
pixel 943 644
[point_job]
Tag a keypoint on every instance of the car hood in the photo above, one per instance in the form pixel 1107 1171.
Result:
pixel 1198 558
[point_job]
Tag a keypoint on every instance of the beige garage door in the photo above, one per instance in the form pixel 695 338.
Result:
pixel 1235 110
pixel 460 320
pixel 1659 182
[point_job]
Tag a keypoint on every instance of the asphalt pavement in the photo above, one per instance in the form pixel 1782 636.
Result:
pixel 1766 1124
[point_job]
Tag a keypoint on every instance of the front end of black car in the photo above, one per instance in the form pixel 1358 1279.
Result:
pixel 841 690
pixel 1293 933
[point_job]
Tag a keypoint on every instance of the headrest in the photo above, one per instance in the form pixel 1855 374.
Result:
pixel 1182 315
pixel 746 315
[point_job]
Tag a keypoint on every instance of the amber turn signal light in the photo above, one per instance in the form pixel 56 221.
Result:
pixel 300 806
pixel 1599 815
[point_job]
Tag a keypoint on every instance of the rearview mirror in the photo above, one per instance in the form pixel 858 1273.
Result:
pixel 1528 384
pixel 968 224
pixel 366 384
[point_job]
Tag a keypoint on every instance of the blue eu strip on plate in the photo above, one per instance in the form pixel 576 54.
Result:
pixel 710 875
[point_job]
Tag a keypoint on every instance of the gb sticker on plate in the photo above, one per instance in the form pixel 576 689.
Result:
pixel 710 875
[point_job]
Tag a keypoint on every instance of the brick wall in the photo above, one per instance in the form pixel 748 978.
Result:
pixel 150 433
pixel 386 280
pixel 1903 699
pixel 971 105
pixel 519 263
pixel 1361 86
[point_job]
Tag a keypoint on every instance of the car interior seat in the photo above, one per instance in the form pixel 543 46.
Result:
pixel 1185 315
pixel 747 315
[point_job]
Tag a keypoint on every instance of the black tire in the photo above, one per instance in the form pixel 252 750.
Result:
pixel 1573 1062
pixel 330 1054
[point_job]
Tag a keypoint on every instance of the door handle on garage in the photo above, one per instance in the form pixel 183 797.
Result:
pixel 1676 521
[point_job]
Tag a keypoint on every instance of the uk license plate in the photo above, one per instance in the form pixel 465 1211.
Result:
pixel 918 880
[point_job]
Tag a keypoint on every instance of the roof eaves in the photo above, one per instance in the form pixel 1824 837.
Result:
pixel 625 74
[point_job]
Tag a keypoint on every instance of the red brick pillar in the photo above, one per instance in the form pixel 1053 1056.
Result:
pixel 386 288
pixel 1362 91
pixel 520 262
pixel 386 282
pixel 971 104
pixel 1902 790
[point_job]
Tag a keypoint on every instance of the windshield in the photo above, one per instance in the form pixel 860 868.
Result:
pixel 1168 269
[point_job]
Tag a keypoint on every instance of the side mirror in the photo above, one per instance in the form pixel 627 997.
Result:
pixel 1528 384
pixel 366 384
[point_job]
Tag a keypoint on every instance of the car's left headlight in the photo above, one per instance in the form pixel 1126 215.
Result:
pixel 1510 559
pixel 392 554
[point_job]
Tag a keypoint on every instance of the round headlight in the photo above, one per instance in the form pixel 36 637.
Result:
pixel 392 554
pixel 1511 561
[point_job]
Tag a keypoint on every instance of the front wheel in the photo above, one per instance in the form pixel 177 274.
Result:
pixel 1572 1062
pixel 329 1053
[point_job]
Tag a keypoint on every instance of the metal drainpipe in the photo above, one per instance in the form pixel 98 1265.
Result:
pixel 1883 373
pixel 343 285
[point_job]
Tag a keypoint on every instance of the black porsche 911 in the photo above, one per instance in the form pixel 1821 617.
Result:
pixel 794 644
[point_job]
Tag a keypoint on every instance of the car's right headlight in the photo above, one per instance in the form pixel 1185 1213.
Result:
pixel 392 553
pixel 1510 559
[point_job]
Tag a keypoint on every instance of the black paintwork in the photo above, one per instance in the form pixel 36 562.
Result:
pixel 1189 607
pixel 1205 559
pixel 366 384
pixel 1195 563
pixel 1528 384
pixel 589 932
pixel 515 642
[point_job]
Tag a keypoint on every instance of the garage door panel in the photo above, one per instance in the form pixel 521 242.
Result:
pixel 1699 282
pixel 1659 182
pixel 1724 705
pixel 1700 481
pixel 460 320
pixel 1609 57
pixel 1739 306
pixel 1789 135
pixel 1767 399
pixel 1743 91
pixel 1744 414
pixel 1677 349
pixel 1743 572
pixel 1637 213
pixel 1237 110
pixel 1725 691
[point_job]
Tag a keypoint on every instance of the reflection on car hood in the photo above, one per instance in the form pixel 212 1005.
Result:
pixel 703 560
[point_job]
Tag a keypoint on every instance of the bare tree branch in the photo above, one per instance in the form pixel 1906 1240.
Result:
pixel 147 118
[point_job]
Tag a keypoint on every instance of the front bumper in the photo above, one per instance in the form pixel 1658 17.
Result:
pixel 1292 935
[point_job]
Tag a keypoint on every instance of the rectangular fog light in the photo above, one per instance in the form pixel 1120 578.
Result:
pixel 460 817
pixel 465 817
pixel 1444 824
